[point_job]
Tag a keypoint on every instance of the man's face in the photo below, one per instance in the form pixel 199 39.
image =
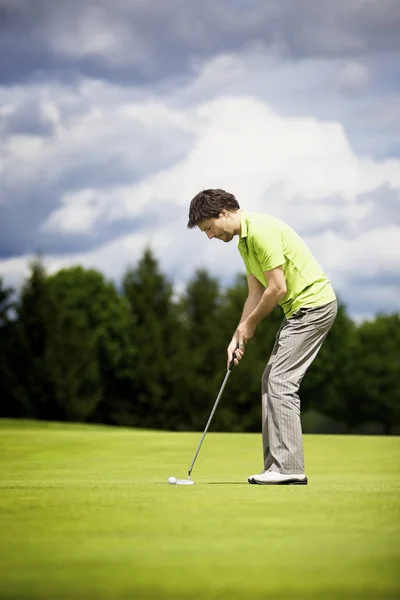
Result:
pixel 221 228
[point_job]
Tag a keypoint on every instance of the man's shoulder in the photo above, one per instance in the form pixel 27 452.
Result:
pixel 254 218
pixel 259 222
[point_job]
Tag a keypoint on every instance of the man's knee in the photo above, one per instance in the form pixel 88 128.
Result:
pixel 265 377
pixel 279 384
pixel 273 383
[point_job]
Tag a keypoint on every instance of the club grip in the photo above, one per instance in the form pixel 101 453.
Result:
pixel 231 364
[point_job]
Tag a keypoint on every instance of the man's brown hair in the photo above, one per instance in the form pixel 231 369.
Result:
pixel 208 204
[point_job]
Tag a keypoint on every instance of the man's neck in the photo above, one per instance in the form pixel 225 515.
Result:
pixel 238 218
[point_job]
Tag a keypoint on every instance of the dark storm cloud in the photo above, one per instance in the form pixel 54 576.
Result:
pixel 21 230
pixel 103 158
pixel 378 208
pixel 27 208
pixel 20 220
pixel 153 40
pixel 384 208
pixel 365 295
pixel 54 244
pixel 26 120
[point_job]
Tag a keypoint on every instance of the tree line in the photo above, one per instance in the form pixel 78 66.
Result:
pixel 76 347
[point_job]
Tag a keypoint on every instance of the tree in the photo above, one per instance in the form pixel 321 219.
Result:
pixel 8 379
pixel 94 309
pixel 373 371
pixel 74 348
pixel 159 375
pixel 57 372
pixel 35 317
pixel 7 304
pixel 325 383
pixel 242 410
pixel 201 304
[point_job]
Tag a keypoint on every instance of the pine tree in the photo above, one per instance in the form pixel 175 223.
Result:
pixel 324 386
pixel 207 346
pixel 56 366
pixel 9 405
pixel 372 374
pixel 160 378
pixel 242 411
pixel 95 308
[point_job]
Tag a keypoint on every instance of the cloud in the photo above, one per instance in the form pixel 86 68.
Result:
pixel 111 120
pixel 321 88
pixel 300 169
pixel 28 119
pixel 149 41
pixel 101 144
pixel 287 164
pixel 353 77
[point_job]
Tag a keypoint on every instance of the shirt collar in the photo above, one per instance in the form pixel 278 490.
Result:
pixel 243 225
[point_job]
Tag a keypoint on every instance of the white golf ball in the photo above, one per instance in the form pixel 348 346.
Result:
pixel 171 480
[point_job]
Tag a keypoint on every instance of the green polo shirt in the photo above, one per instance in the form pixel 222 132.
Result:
pixel 265 243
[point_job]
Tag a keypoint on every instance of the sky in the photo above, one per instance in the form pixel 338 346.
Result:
pixel 114 114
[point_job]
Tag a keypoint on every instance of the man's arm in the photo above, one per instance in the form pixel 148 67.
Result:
pixel 255 292
pixel 258 305
pixel 272 295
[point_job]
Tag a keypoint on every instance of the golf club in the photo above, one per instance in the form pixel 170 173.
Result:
pixel 188 481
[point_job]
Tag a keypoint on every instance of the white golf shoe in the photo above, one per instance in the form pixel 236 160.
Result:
pixel 274 478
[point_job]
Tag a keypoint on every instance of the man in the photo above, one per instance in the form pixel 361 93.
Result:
pixel 280 270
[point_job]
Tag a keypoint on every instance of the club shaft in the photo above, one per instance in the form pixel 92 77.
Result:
pixel 210 419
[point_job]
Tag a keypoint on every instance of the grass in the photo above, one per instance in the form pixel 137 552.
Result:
pixel 86 512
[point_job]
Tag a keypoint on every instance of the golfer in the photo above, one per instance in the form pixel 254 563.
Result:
pixel 280 270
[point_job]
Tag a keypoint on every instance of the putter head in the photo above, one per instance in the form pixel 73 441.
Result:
pixel 184 482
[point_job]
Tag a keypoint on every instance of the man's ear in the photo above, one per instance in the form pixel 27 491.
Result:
pixel 223 213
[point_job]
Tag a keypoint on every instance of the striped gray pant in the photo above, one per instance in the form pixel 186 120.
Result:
pixel 297 343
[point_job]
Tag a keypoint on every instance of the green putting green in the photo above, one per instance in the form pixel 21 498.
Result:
pixel 86 512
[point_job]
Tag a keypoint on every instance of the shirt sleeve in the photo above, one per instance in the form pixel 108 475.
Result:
pixel 268 248
pixel 244 254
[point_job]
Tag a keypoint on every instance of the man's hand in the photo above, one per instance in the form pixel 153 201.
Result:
pixel 243 333
pixel 233 350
